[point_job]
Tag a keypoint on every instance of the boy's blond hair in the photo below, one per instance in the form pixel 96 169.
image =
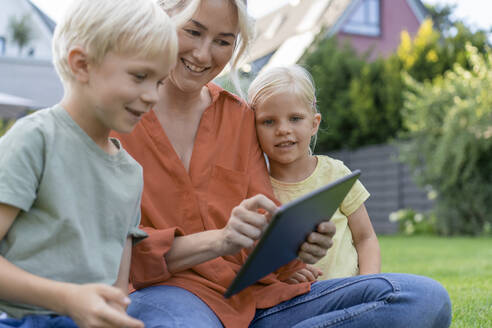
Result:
pixel 292 79
pixel 182 11
pixel 134 27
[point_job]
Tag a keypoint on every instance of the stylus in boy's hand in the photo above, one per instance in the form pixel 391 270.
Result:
pixel 317 243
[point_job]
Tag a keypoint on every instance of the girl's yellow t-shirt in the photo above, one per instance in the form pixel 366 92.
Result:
pixel 341 259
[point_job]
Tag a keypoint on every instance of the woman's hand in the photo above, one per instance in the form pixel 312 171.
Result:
pixel 307 274
pixel 247 223
pixel 317 243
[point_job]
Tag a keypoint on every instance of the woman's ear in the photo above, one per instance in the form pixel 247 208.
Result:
pixel 316 122
pixel 78 63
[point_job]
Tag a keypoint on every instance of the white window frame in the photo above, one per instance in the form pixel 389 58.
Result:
pixel 3 45
pixel 370 10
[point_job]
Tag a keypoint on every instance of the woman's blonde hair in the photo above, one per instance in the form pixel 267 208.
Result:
pixel 292 79
pixel 134 27
pixel 181 12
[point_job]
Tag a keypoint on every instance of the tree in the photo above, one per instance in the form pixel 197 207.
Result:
pixel 21 31
pixel 441 16
pixel 434 51
pixel 359 101
pixel 449 143
pixel 333 67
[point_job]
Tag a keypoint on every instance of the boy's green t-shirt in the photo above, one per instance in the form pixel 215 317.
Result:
pixel 78 204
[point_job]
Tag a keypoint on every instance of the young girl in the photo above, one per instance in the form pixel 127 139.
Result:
pixel 286 122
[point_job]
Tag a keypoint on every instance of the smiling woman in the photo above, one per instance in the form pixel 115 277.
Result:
pixel 205 47
pixel 205 181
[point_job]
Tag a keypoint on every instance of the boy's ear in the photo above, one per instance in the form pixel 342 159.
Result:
pixel 316 122
pixel 78 62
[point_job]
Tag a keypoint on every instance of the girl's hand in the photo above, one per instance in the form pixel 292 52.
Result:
pixel 97 305
pixel 247 223
pixel 307 274
pixel 317 243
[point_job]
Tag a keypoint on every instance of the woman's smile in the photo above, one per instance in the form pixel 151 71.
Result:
pixel 192 67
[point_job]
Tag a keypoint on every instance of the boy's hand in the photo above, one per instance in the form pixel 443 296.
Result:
pixel 307 274
pixel 97 305
pixel 317 243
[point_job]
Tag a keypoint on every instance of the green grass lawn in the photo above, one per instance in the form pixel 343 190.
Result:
pixel 462 265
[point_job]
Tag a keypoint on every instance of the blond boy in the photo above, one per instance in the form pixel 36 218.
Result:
pixel 70 195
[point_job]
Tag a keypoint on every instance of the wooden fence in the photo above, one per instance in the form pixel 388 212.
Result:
pixel 389 182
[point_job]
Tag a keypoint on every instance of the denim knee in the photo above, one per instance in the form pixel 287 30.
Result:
pixel 426 301
pixel 437 302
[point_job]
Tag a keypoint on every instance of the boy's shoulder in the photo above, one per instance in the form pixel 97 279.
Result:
pixel 39 121
pixel 30 131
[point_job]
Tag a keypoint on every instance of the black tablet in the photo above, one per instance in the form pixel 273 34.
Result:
pixel 288 229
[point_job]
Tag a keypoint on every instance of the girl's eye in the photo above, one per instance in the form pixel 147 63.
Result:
pixel 267 122
pixel 140 76
pixel 192 32
pixel 295 118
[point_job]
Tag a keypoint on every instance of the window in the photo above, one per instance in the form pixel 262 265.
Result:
pixel 2 46
pixel 364 19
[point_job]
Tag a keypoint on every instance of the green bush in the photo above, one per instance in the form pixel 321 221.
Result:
pixel 5 125
pixel 431 53
pixel 376 101
pixel 449 143
pixel 333 69
pixel 359 100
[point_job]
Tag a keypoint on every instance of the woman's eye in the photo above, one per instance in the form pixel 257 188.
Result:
pixel 192 32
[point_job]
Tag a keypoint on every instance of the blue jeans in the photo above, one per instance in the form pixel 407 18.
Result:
pixel 39 321
pixel 382 300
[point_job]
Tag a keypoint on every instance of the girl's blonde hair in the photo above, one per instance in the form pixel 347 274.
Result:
pixel 182 11
pixel 292 79
pixel 134 27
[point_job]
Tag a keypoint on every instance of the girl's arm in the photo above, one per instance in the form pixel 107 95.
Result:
pixel 365 241
pixel 88 305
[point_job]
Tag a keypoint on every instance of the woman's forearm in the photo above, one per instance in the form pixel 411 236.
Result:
pixel 191 250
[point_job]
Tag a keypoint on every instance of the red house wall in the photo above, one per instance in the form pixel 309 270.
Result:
pixel 396 16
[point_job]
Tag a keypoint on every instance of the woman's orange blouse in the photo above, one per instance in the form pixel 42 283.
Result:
pixel 226 167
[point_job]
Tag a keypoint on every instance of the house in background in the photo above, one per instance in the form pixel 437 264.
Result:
pixel 283 36
pixel 27 80
pixel 33 80
pixel 41 24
